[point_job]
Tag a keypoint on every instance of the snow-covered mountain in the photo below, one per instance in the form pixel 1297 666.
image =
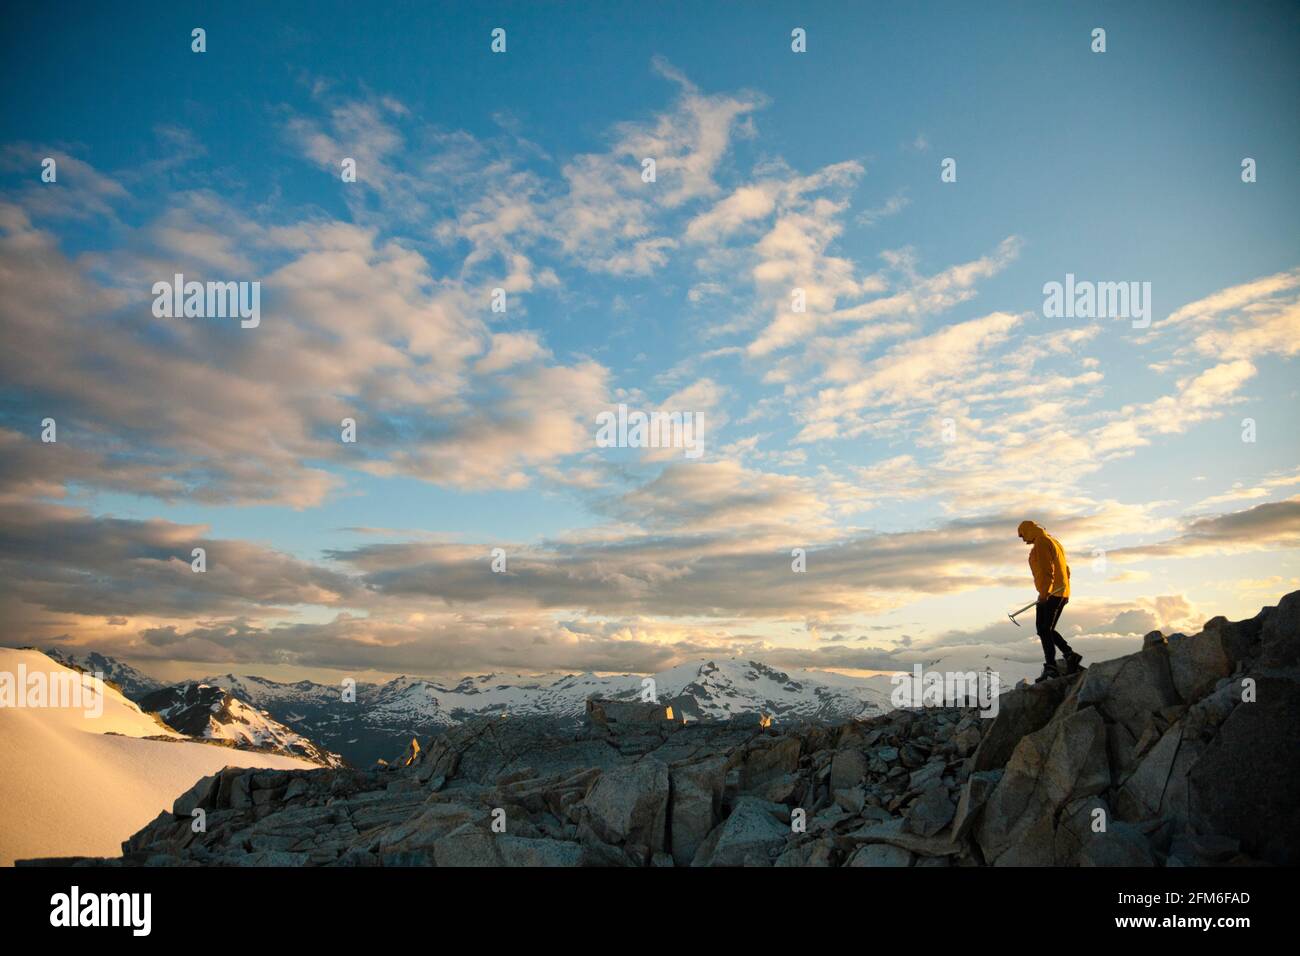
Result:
pixel 78 780
pixel 383 717
pixel 207 711
pixel 380 719
pixel 128 680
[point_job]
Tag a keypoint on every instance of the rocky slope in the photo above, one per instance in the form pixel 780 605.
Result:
pixel 201 710
pixel 1181 754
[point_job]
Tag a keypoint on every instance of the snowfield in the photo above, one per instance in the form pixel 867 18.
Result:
pixel 72 784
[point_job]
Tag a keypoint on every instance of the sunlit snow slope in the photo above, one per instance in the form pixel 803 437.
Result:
pixel 74 784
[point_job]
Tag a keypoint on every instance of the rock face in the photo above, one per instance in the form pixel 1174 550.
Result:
pixel 1020 713
pixel 1246 784
pixel 1182 754
pixel 614 713
pixel 201 710
pixel 752 835
pixel 1061 762
pixel 629 804
pixel 696 806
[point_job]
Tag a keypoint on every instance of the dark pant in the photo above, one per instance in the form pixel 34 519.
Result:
pixel 1048 613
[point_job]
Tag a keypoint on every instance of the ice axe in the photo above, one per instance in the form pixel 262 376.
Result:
pixel 1015 614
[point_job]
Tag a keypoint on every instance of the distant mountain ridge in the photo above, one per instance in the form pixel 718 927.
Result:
pixel 384 717
pixel 209 712
pixel 130 681
pixel 198 710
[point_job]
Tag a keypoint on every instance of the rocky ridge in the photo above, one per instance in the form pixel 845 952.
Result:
pixel 1181 754
pixel 211 713
pixel 124 677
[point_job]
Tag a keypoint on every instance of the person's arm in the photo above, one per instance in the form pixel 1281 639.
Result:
pixel 1060 570
pixel 1041 567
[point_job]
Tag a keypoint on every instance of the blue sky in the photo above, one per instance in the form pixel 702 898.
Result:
pixel 521 170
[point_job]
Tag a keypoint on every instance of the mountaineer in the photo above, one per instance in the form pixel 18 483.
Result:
pixel 1052 579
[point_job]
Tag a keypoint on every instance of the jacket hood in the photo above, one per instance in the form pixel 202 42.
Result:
pixel 1030 530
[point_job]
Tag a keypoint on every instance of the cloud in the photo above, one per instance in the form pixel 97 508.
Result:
pixel 890 207
pixel 802 260
pixel 510 349
pixel 1242 322
pixel 353 326
pixel 914 371
pixel 1270 526
pixel 80 192
pixel 66 561
pixel 1248 491
pixel 1235 298
pixel 951 423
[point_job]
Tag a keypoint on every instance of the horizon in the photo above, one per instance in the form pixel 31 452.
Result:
pixel 187 675
pixel 877 371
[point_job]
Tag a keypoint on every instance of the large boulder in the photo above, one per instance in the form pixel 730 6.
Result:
pixel 974 794
pixel 630 713
pixel 629 804
pixel 1020 712
pixel 928 774
pixel 1246 782
pixel 752 830
pixel 848 768
pixel 1079 821
pixel 1050 768
pixel 769 758
pixel 931 812
pixel 1199 662
pixel 694 808
pixel 1204 717
pixel 1124 748
pixel 1280 634
pixel 1128 689
pixel 1141 793
pixel 1240 639
pixel 1159 786
pixel 201 796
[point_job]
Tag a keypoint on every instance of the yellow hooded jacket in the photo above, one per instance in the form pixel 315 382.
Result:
pixel 1046 561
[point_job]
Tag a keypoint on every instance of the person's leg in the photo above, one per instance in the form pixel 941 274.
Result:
pixel 1044 621
pixel 1072 660
pixel 1057 639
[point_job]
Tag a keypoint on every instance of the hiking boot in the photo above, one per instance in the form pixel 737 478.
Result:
pixel 1072 661
pixel 1049 673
